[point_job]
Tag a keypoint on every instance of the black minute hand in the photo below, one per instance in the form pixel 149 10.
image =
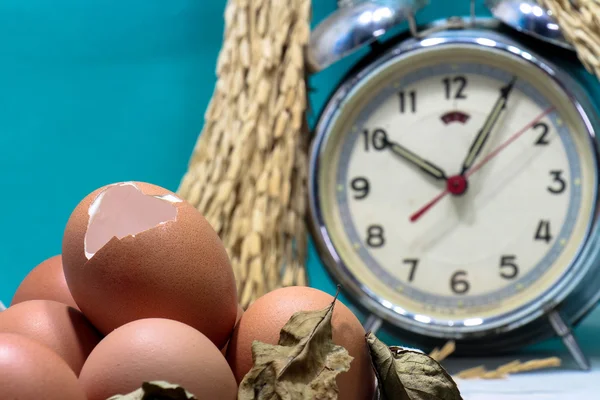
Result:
pixel 424 165
pixel 484 134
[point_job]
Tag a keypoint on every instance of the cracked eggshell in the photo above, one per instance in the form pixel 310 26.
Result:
pixel 178 269
pixel 31 371
pixel 45 282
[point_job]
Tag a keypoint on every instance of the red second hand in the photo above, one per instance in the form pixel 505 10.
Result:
pixel 427 206
pixel 414 217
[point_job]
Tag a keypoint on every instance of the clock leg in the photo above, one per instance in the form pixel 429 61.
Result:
pixel 372 324
pixel 565 333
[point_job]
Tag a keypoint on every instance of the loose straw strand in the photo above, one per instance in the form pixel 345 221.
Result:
pixel 511 368
pixel 445 352
pixel 502 372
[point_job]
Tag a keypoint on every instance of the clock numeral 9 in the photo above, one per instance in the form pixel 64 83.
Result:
pixel 543 231
pixel 459 283
pixel 508 267
pixel 461 83
pixel 361 186
pixel 559 182
pixel 378 140
pixel 411 98
pixel 542 140
pixel 375 236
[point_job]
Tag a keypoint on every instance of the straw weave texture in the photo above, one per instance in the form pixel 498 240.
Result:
pixel 247 173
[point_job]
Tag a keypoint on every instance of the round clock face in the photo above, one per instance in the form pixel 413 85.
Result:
pixel 457 184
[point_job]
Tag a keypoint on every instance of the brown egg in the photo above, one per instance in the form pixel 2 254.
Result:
pixel 58 326
pixel 264 319
pixel 240 312
pixel 145 253
pixel 31 371
pixel 157 349
pixel 45 282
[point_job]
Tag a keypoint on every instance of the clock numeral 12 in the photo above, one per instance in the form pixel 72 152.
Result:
pixel 461 83
pixel 410 98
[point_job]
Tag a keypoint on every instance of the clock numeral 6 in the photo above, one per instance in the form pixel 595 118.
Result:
pixel 361 186
pixel 508 267
pixel 378 139
pixel 375 236
pixel 559 183
pixel 459 283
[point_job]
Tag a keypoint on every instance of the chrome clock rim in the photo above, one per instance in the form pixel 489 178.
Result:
pixel 510 321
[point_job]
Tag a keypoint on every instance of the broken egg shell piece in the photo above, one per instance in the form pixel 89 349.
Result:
pixel 123 210
pixel 178 270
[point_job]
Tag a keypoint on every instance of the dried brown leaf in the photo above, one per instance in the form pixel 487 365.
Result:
pixel 303 366
pixel 156 390
pixel 409 375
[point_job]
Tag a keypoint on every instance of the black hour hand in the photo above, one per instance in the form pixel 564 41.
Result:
pixel 429 168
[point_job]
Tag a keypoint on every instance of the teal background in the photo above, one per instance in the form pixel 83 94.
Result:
pixel 97 92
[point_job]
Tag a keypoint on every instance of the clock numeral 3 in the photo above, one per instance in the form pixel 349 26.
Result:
pixel 459 283
pixel 361 186
pixel 542 140
pixel 461 83
pixel 508 267
pixel 559 182
pixel 543 231
pixel 413 268
pixel 378 140
pixel 410 98
pixel 375 236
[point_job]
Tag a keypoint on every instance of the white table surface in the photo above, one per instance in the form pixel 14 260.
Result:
pixel 544 385
pixel 566 382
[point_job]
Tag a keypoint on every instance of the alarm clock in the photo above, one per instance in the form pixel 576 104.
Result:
pixel 454 178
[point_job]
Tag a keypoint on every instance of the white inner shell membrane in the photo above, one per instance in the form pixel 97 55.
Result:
pixel 494 223
pixel 123 210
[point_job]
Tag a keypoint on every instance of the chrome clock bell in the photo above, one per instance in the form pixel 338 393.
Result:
pixel 453 177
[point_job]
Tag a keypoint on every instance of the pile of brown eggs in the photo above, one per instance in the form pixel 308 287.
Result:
pixel 144 291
